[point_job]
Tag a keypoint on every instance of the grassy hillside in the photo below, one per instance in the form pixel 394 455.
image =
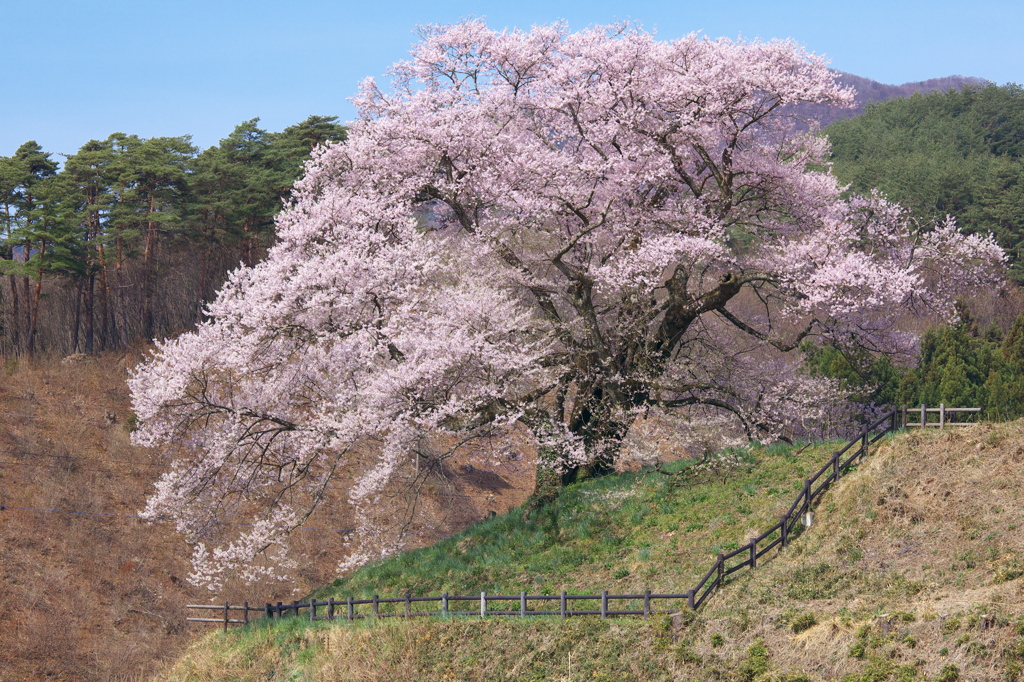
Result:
pixel 927 532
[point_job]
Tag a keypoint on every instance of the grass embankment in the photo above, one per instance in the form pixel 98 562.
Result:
pixel 926 531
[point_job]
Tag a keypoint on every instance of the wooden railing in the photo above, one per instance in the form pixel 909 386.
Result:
pixel 333 609
pixel 799 515
pixel 946 416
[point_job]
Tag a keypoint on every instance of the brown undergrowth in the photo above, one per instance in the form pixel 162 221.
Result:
pixel 99 595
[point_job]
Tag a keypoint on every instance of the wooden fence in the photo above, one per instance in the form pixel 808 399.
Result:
pixel 333 609
pixel 946 416
pixel 800 514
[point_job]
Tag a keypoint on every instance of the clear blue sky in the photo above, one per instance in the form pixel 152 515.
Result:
pixel 81 69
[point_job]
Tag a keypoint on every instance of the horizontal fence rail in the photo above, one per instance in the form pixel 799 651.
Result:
pixel 566 605
pixel 945 416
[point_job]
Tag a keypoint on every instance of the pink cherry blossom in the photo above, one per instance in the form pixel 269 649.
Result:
pixel 559 230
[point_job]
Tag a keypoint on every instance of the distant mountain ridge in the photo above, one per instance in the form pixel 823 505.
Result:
pixel 870 91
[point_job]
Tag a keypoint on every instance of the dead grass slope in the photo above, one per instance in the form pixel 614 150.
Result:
pixel 907 557
pixel 92 595
pixel 85 595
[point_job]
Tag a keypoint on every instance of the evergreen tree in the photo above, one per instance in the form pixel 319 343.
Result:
pixel 32 215
pixel 959 152
pixel 962 368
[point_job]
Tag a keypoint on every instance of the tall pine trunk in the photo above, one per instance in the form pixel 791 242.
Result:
pixel 78 314
pixel 149 272
pixel 15 314
pixel 90 312
pixel 34 319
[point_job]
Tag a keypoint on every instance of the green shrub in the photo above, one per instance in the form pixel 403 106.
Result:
pixel 951 625
pixel 756 663
pixel 804 621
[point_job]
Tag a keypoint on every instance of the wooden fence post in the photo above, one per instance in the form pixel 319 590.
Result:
pixel 351 609
pixel 807 495
pixel 245 612
pixel 864 444
pixel 522 604
pixel 280 610
pixel 924 415
pixel 753 553
pixel 691 599
pixel 295 608
pixel 225 616
pixel 444 604
pixel 376 605
pixel 604 604
pixel 721 569
pixel 835 466
pixel 312 609
pixel 942 415
pixel 330 609
pixel 408 603
pixel 270 610
pixel 647 604
pixel 483 604
pixel 785 529
pixel 562 606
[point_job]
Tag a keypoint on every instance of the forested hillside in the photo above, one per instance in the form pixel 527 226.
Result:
pixel 131 237
pixel 959 152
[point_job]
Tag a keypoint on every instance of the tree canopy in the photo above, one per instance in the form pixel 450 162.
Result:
pixel 133 235
pixel 550 231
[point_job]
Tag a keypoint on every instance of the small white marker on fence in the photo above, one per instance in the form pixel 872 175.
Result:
pixel 483 604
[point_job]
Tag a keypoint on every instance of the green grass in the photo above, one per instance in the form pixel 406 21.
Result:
pixel 623 533
pixel 816 604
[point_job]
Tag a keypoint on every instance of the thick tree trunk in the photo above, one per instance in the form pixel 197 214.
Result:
pixel 26 295
pixel 149 273
pixel 119 303
pixel 107 327
pixel 249 244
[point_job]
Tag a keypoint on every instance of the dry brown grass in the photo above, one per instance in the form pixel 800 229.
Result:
pixel 96 597
pixel 86 596
pixel 930 530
